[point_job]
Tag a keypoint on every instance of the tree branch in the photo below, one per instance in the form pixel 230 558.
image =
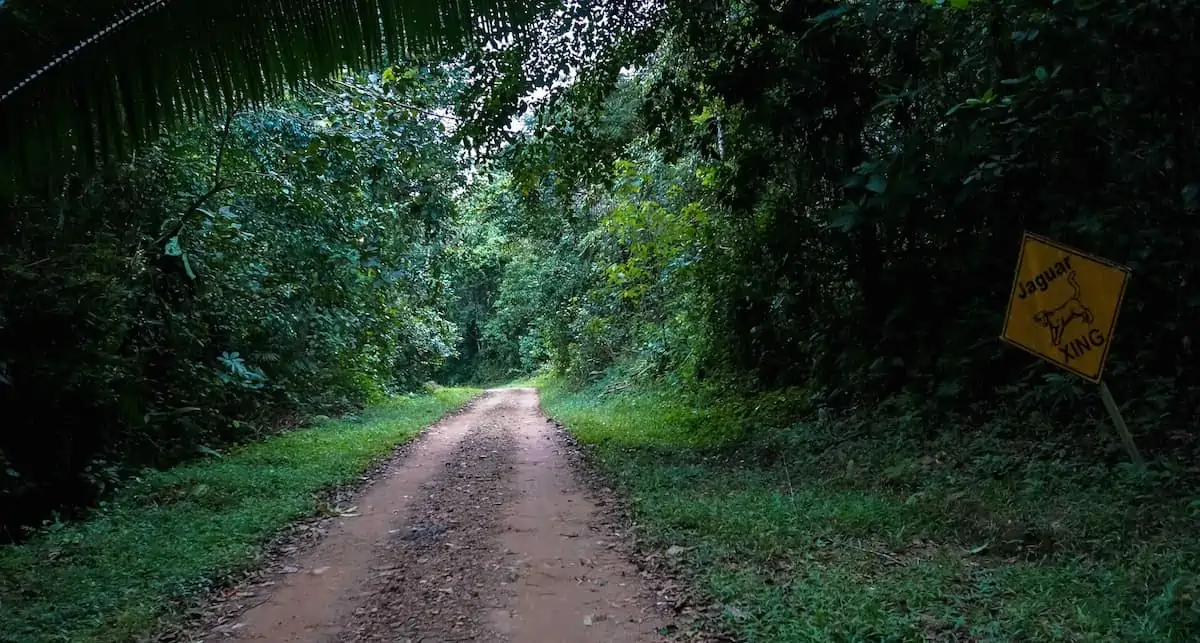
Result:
pixel 392 101
pixel 217 185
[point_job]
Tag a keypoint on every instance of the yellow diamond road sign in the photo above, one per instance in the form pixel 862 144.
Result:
pixel 1064 305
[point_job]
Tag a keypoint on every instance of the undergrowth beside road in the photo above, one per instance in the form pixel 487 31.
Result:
pixel 849 530
pixel 167 537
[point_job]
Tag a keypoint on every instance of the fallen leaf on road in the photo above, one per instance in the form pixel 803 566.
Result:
pixel 736 612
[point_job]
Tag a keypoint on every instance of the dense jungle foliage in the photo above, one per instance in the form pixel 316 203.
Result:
pixel 818 199
pixel 831 197
pixel 229 281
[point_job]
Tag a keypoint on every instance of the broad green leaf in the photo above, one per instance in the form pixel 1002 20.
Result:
pixel 877 183
pixel 187 267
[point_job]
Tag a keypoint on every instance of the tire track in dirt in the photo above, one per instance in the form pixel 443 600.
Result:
pixel 316 593
pixel 572 582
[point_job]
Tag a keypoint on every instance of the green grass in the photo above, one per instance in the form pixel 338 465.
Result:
pixel 169 536
pixel 886 538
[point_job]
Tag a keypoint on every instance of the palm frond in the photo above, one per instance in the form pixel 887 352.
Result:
pixel 84 81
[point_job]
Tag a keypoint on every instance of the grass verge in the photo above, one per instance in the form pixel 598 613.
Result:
pixel 167 537
pixel 843 531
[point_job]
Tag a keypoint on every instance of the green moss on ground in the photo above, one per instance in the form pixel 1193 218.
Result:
pixel 843 531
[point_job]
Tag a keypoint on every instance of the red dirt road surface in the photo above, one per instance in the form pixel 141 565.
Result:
pixel 482 532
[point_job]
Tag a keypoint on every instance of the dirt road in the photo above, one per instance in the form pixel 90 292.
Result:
pixel 480 533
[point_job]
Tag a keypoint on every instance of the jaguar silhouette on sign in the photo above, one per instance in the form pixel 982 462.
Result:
pixel 1056 319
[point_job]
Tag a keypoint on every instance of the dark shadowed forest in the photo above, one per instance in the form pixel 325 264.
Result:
pixel 756 254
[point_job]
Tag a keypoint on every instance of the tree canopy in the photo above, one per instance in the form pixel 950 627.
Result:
pixel 86 82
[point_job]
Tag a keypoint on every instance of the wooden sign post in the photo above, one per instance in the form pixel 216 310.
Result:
pixel 1063 309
